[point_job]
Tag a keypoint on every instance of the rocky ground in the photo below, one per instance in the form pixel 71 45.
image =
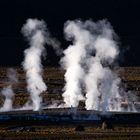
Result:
pixel 54 79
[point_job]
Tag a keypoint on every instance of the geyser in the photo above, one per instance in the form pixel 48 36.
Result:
pixel 89 65
pixel 34 30
pixel 7 91
pixel 88 62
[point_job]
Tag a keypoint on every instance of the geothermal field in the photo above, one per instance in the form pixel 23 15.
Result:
pixel 19 121
pixel 88 95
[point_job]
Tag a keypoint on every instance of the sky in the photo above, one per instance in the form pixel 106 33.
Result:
pixel 124 16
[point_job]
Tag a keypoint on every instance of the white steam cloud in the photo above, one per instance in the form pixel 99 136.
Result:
pixel 7 91
pixel 34 31
pixel 88 63
pixel 101 82
pixel 38 35
pixel 72 61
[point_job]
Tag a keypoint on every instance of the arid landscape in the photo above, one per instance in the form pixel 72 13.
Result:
pixel 69 70
pixel 54 79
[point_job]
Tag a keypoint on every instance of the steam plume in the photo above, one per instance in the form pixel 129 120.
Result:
pixel 35 31
pixel 7 91
pixel 71 62
pixel 88 62
pixel 102 85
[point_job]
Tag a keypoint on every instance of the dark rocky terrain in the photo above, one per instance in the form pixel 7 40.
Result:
pixel 54 79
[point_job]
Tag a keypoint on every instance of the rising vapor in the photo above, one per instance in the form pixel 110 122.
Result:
pixel 88 63
pixel 72 61
pixel 35 31
pixel 8 92
pixel 101 82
